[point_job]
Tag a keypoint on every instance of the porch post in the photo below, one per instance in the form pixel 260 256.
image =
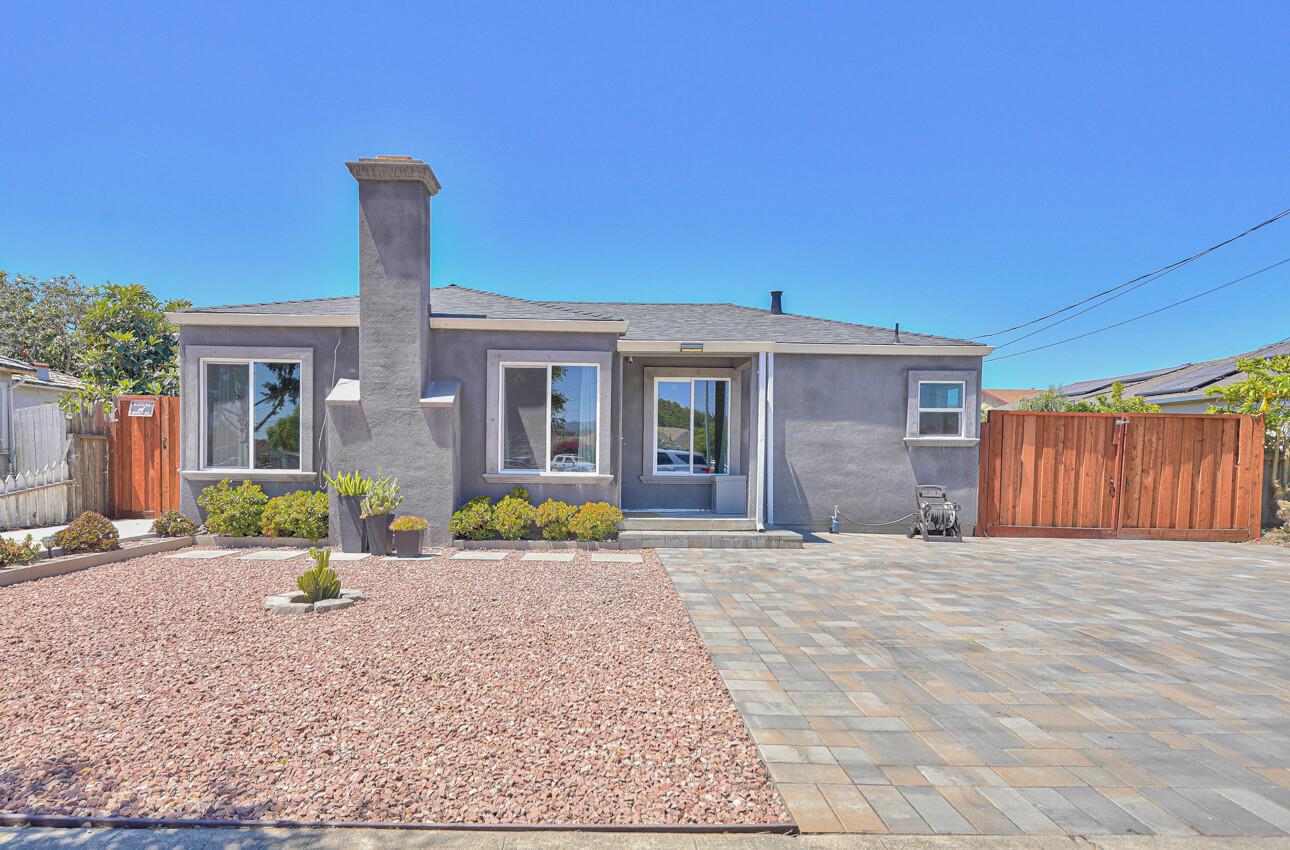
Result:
pixel 759 497
pixel 770 439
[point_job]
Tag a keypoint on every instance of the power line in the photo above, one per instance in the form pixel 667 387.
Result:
pixel 1142 279
pixel 1144 315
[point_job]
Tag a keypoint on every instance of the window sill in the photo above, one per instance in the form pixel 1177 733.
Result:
pixel 546 478
pixel 682 478
pixel 293 475
pixel 963 442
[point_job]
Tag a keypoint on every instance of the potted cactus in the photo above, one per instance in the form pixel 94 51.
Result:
pixel 350 489
pixel 378 505
pixel 409 531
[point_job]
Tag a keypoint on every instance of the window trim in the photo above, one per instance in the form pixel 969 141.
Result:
pixel 503 365
pixel 190 411
pixel 969 420
pixel 249 362
pixel 961 410
pixel 730 430
pixel 649 420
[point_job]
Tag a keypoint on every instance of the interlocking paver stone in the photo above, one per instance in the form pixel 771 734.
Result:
pixel 1086 686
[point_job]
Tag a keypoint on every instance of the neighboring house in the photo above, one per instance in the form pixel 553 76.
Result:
pixel 1000 398
pixel 652 407
pixel 22 385
pixel 1177 389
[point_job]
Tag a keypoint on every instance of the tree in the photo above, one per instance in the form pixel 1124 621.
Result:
pixel 1266 392
pixel 126 345
pixel 39 318
pixel 1052 399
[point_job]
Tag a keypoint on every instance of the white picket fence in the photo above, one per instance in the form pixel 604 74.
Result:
pixel 39 437
pixel 35 498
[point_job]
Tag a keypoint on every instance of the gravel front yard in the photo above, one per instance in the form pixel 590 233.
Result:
pixel 463 691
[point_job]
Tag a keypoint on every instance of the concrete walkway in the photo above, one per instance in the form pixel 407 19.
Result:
pixel 391 839
pixel 125 527
pixel 1009 686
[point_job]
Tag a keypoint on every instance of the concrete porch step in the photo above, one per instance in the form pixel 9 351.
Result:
pixel 686 522
pixel 774 538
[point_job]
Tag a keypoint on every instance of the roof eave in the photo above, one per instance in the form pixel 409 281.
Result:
pixel 674 346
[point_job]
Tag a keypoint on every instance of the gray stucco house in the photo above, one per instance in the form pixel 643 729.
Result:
pixel 676 412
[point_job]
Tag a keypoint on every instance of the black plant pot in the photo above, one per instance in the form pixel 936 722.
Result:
pixel 350 525
pixel 378 534
pixel 407 544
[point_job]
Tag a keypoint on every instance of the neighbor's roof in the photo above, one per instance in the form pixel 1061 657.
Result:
pixel 998 398
pixel 658 321
pixel 1174 383
pixel 57 379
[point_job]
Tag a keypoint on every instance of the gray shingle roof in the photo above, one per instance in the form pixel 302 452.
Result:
pixel 660 321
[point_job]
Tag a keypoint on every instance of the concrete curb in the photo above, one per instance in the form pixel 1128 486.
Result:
pixel 535 545
pixel 75 563
pixel 217 541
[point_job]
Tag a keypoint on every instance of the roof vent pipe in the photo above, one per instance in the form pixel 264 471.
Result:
pixel 898 332
pixel 777 302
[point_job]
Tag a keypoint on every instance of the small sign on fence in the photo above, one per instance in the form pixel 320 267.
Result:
pixel 142 407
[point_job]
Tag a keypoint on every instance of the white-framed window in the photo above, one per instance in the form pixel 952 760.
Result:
pixel 692 426
pixel 250 414
pixel 940 408
pixel 549 417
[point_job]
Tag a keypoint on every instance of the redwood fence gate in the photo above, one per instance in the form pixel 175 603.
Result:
pixel 143 456
pixel 1165 476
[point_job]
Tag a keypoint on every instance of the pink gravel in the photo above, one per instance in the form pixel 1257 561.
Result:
pixel 462 691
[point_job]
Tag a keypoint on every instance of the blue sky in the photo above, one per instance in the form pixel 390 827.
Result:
pixel 954 168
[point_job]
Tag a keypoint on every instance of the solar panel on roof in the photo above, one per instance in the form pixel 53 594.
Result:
pixel 1084 387
pixel 1194 379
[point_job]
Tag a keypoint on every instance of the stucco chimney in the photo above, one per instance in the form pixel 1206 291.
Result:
pixel 777 301
pixel 394 195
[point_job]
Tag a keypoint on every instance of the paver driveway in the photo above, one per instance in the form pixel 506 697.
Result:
pixel 1003 686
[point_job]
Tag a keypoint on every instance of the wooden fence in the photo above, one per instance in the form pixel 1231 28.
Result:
pixel 1168 476
pixel 59 467
pixel 144 456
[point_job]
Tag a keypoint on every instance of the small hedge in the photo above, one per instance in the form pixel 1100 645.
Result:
pixel 89 532
pixel 233 511
pixel 15 552
pixel 595 521
pixel 173 524
pixel 302 513
pixel 473 521
pixel 514 517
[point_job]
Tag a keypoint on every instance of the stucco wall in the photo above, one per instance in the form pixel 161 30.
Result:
pixel 335 356
pixel 463 355
pixel 839 429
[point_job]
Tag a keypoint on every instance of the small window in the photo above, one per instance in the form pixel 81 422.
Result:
pixel 550 418
pixel 692 426
pixel 940 408
pixel 252 415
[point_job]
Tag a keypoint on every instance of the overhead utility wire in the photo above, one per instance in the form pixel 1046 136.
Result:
pixel 1144 315
pixel 1152 274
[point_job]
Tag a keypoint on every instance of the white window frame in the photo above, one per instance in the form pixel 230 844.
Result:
pixel 678 379
pixel 249 362
pixel 960 410
pixel 501 417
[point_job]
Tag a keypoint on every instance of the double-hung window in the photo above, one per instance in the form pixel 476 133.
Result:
pixel 251 414
pixel 692 426
pixel 549 417
pixel 940 408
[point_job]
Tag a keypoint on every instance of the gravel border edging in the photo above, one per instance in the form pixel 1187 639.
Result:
pixel 217 541
pixel 75 563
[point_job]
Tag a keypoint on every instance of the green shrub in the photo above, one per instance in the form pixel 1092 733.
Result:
pixel 382 496
pixel 233 511
pixel 320 582
pixel 14 552
pixel 173 524
pixel 553 518
pixel 596 521
pixel 473 521
pixel 521 493
pixel 89 532
pixel 349 483
pixel 409 523
pixel 512 518
pixel 299 514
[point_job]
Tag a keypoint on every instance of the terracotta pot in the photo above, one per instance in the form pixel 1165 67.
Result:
pixel 407 544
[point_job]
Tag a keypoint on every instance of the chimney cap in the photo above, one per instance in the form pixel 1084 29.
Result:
pixel 394 167
pixel 777 302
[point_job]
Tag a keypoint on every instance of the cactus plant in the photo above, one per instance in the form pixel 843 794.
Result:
pixel 320 582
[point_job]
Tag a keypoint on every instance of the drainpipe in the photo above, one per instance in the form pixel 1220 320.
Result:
pixel 759 498
pixel 770 439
